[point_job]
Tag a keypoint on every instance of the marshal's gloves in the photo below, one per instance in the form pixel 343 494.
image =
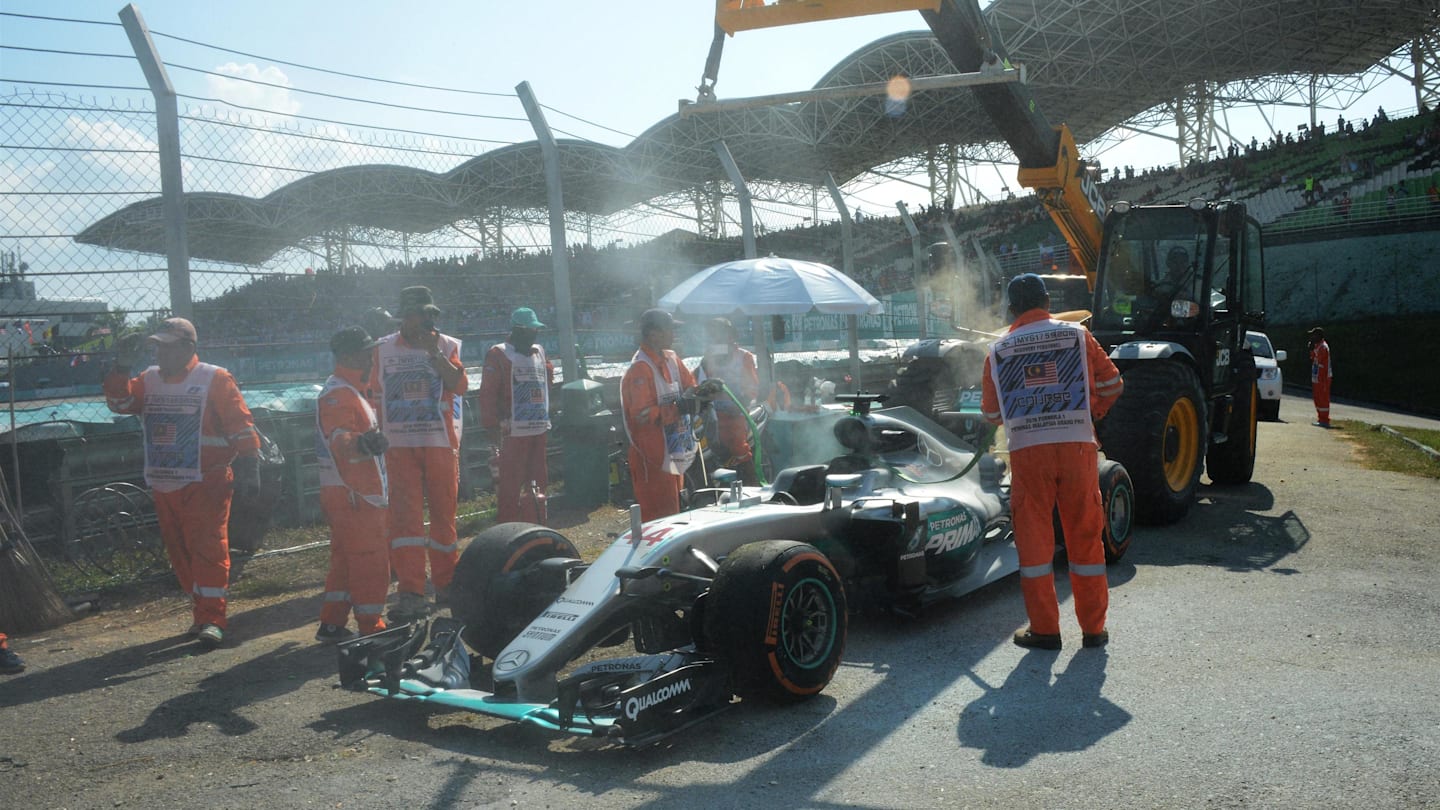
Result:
pixel 247 476
pixel 373 443
pixel 688 404
pixel 128 350
pixel 710 389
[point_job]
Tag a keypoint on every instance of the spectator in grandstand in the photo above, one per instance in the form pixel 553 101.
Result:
pixel 421 382
pixel 515 415
pixel 1433 192
pixel 200 448
pixel 1321 373
pixel 350 452
pixel 1344 205
pixel 1390 201
pixel 726 361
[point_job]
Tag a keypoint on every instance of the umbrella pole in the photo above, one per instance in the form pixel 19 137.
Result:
pixel 852 329
pixel 766 365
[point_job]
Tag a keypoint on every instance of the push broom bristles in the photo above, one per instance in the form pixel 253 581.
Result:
pixel 29 601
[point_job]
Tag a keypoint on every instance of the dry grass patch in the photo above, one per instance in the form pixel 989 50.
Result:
pixel 1379 450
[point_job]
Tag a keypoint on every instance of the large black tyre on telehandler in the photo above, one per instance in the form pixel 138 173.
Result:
pixel 1159 431
pixel 1233 461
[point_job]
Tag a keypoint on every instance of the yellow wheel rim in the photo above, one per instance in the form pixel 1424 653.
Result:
pixel 1182 444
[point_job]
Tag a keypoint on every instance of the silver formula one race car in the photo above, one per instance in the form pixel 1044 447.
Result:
pixel 747 597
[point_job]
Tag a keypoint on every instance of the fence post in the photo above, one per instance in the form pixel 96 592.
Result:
pixel 847 263
pixel 172 177
pixel 759 325
pixel 922 290
pixel 559 253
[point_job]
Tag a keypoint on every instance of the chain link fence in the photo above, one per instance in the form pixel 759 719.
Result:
pixel 299 224
pixel 78 160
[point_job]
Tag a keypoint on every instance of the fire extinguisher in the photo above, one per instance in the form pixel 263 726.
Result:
pixel 532 505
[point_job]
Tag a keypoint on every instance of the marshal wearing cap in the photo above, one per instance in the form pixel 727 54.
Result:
pixel 524 318
pixel 1026 292
pixel 174 329
pixel 417 299
pixel 653 319
pixel 351 340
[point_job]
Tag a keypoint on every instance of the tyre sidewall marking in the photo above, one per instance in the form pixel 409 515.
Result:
pixel 778 593
pixel 778 669
pixel 520 553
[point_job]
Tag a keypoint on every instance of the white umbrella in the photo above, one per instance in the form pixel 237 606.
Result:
pixel 773 286
pixel 770 286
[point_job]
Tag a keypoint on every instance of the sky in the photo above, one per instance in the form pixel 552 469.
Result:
pixel 604 71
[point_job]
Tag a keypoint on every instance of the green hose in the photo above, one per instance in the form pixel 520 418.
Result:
pixel 756 454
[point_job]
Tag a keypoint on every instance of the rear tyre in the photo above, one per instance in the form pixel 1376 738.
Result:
pixel 1117 500
pixel 1158 431
pixel 776 615
pixel 494 592
pixel 1117 497
pixel 1233 462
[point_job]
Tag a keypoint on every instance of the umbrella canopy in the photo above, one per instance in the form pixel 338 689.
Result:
pixel 770 286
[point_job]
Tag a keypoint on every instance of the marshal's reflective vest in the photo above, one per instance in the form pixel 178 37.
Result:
pixel 330 475
pixel 1042 377
pixel 529 392
pixel 679 435
pixel 172 423
pixel 416 409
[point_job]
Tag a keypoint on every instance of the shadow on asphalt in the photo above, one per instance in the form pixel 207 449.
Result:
pixel 144 660
pixel 217 699
pixel 1033 714
pixel 1225 529
pixel 800 749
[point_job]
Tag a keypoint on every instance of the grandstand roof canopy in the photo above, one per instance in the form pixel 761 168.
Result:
pixel 1092 64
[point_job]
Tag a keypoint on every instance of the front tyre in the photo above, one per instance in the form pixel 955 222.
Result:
pixel 496 592
pixel 1233 461
pixel 776 615
pixel 1158 431
pixel 1270 410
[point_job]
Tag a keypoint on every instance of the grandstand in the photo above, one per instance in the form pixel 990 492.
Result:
pixel 311 254
pixel 1093 64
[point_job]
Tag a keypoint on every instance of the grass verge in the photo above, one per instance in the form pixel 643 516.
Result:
pixel 1382 451
pixel 141 570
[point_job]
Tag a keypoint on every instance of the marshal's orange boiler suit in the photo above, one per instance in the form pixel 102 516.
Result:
pixel 1047 381
pixel 421 419
pixel 1321 372
pixel 738 370
pixel 652 418
pixel 355 498
pixel 194 424
pixel 515 402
